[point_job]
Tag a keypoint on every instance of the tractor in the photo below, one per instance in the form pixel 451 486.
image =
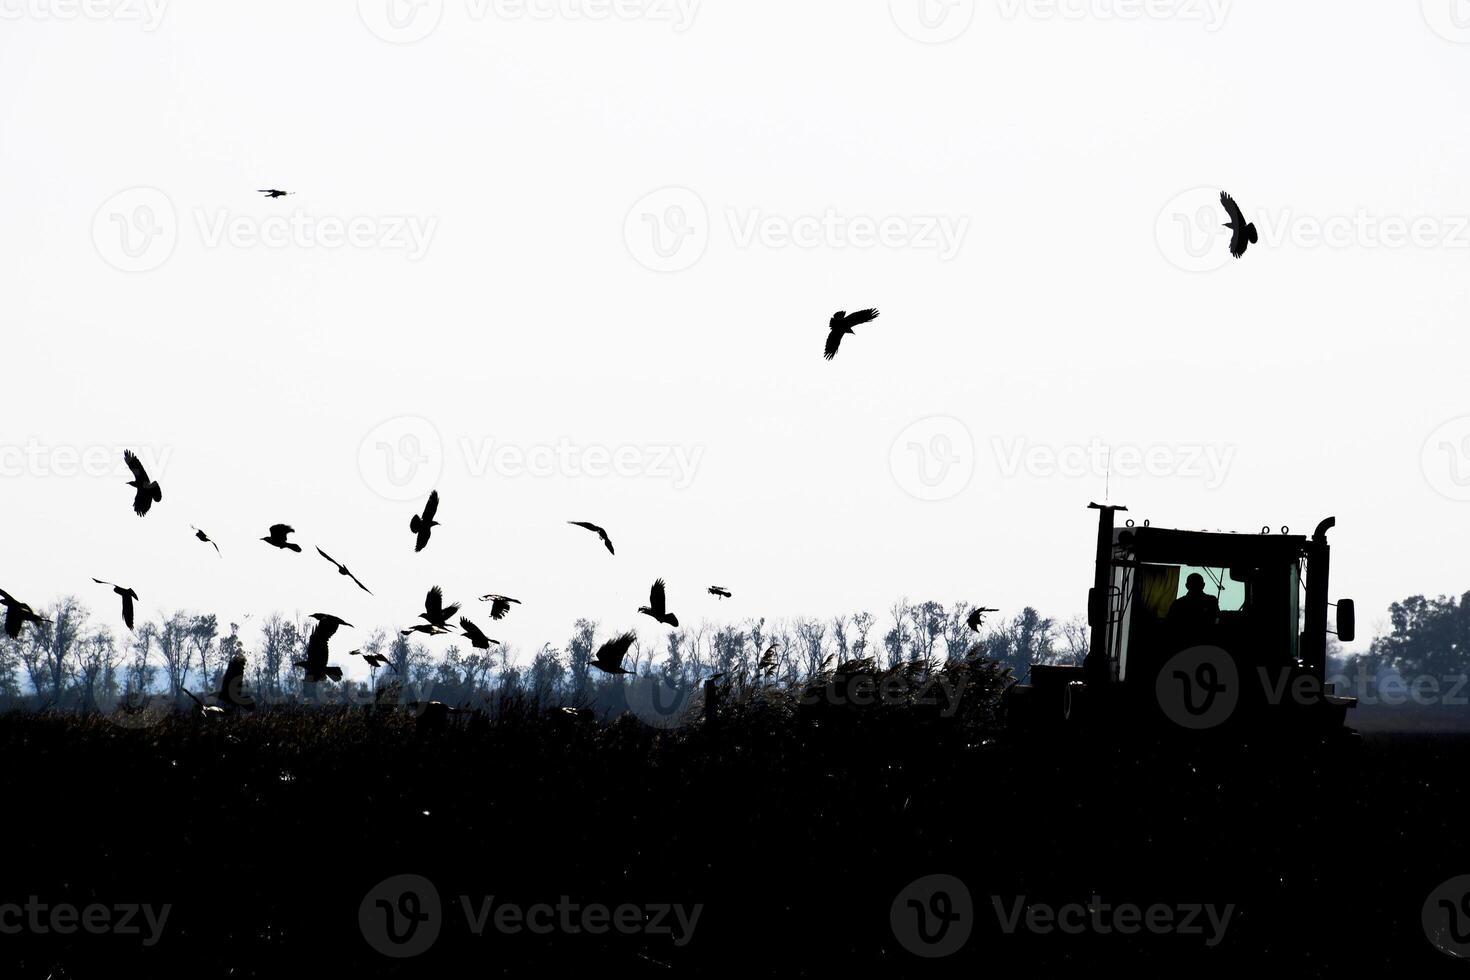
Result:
pixel 1200 632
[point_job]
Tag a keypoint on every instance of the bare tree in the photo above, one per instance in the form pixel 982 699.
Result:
pixel 173 638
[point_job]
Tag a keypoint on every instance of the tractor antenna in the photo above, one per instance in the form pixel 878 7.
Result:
pixel 1108 480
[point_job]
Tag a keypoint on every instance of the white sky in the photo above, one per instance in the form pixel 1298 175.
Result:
pixel 523 145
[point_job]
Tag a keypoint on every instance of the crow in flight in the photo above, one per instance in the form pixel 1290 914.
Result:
pixel 374 660
pixel 277 538
pixel 342 569
pixel 1242 234
pixel 435 613
pixel 500 605
pixel 657 606
pixel 475 635
pixel 272 193
pixel 17 614
pixel 423 525
pixel 719 590
pixel 128 598
pixel 598 531
pixel 421 628
pixel 231 691
pixel 316 649
pixel 205 538
pixel 843 322
pixel 147 491
pixel 610 655
pixel 232 685
pixel 977 618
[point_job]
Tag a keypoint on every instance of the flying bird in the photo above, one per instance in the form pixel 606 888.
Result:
pixel 657 606
pixel 272 193
pixel 17 614
pixel 316 649
pixel 976 619
pixel 231 691
pixel 277 538
pixel 423 525
pixel 205 538
pixel 232 685
pixel 842 323
pixel 610 655
pixel 597 531
pixel 342 569
pixel 128 598
pixel 719 590
pixel 421 628
pixel 1242 234
pixel 475 635
pixel 147 491
pixel 435 613
pixel 500 605
pixel 374 660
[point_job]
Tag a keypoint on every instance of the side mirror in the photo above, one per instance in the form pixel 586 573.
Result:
pixel 1097 607
pixel 1347 620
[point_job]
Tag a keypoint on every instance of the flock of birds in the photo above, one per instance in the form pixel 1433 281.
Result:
pixel 437 616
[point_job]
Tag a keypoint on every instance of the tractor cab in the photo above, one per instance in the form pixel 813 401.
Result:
pixel 1175 615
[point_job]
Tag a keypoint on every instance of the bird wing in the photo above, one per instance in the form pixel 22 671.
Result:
pixel 1232 209
pixel 359 583
pixel 432 507
pixel 139 474
pixel 499 607
pixel 329 558
pixel 434 603
pixel 128 609
pixel 229 685
pixel 614 650
pixel 834 340
pixel 657 597
pixel 862 316
pixel 281 530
